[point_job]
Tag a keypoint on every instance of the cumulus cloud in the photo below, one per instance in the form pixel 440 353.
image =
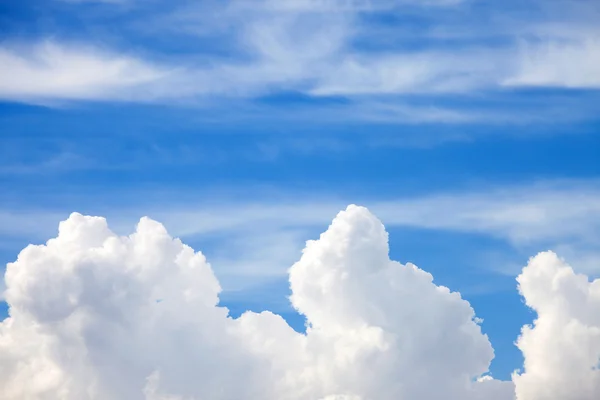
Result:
pixel 97 316
pixel 562 347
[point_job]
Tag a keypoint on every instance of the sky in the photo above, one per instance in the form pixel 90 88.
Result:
pixel 468 129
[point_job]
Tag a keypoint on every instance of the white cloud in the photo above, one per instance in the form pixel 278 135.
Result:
pixel 555 212
pixel 53 71
pixel 521 215
pixel 570 64
pixel 563 216
pixel 85 323
pixel 562 348
pixel 307 46
pixel 254 241
pixel 95 315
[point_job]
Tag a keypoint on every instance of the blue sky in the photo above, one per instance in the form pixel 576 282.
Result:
pixel 470 128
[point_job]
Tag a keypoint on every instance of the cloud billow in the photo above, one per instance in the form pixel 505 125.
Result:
pixel 98 316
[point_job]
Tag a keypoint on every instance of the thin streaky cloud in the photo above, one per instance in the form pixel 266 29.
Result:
pixel 254 242
pixel 50 70
pixel 301 47
pixel 543 212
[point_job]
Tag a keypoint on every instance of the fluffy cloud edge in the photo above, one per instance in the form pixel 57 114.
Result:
pixel 160 298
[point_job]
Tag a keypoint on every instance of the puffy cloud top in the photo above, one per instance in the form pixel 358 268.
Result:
pixel 562 348
pixel 98 316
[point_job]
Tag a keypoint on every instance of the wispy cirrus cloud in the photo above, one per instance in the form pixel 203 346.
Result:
pixel 567 63
pixel 49 71
pixel 320 48
pixel 563 216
